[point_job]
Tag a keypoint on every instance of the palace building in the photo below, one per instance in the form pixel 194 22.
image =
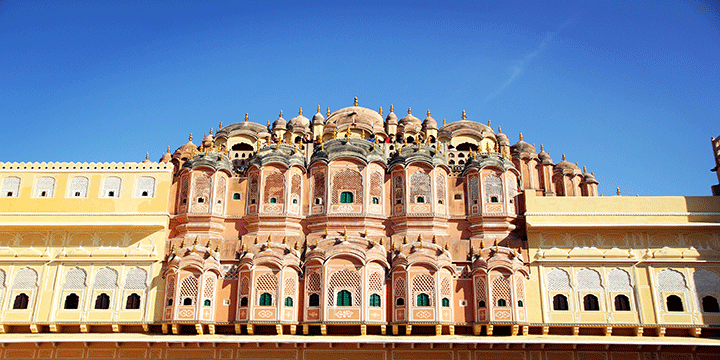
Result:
pixel 352 234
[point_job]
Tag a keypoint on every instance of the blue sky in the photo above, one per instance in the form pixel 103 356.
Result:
pixel 630 89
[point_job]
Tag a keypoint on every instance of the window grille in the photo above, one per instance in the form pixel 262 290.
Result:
pixel 376 184
pixel 501 289
pixel 445 287
pixel 289 288
pixel 493 188
pixel 170 288
pixel 209 290
pixel 189 289
pixel 313 281
pixel 399 288
pixel 105 279
pixel 45 187
pixel 440 187
pixel 78 187
pixel 295 185
pixel 25 279
pixel 588 280
pixel 375 281
pixel 480 289
pixel 619 280
pixel 75 279
pixel 519 288
pixel 347 180
pixel 319 187
pixel 706 282
pixel 111 186
pixel 420 187
pixel 202 188
pixel 11 187
pixel 275 187
pixel 558 280
pixel 670 280
pixel 220 190
pixel 145 187
pixel 423 284
pixel 136 279
pixel 245 286
pixel 267 283
pixel 348 280
pixel 399 190
pixel 474 188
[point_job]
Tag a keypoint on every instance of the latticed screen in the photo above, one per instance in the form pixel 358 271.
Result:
pixel 670 280
pixel 266 283
pixel 347 180
pixel 145 187
pixel 11 186
pixel 295 186
pixel 75 279
pixel 619 280
pixel 274 187
pixel 209 290
pixel 220 189
pixel 319 185
pixel 45 187
pixel 493 189
pixel 105 279
pixel 473 188
pixel 78 186
pixel 520 289
pixel 253 186
pixel 445 289
pixel 558 280
pixel 347 280
pixel 375 281
pixel 398 189
pixel 423 284
pixel 184 189
pixel 501 290
pixel 189 289
pixel 170 292
pixel 289 288
pixel 399 288
pixel 25 279
pixel 480 289
pixel 440 187
pixel 136 279
pixel 244 286
pixel 202 188
pixel 376 184
pixel 419 187
pixel 588 280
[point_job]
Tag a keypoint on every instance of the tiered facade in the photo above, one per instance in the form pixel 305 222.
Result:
pixel 352 223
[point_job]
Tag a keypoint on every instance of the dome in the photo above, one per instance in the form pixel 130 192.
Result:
pixel 356 117
pixel 147 159
pixel 465 127
pixel 544 157
pixel 410 121
pixel 429 122
pixel 280 123
pixel 392 119
pixel 166 157
pixel 208 140
pixel 523 147
pixel 588 177
pixel 566 165
pixel 299 122
pixel 318 118
pixel 186 149
pixel 502 138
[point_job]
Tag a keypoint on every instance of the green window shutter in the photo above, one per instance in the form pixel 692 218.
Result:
pixel 265 299
pixel 288 301
pixel 346 197
pixel 344 298
pixel 446 302
pixel 375 300
pixel 423 300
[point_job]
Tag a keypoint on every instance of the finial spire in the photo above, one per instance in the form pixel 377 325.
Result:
pixel 220 126
pixel 246 117
pixel 380 112
pixel 168 149
pixel 409 110
pixel 392 108
pixel 211 131
pixel 355 102
pixel 464 116
pixel 318 108
pixel 281 113
pixel 584 169
pixel 190 138
pixel 147 156
pixel 300 111
pixel 428 113
pixel 521 137
pixel 443 121
pixel 499 129
pixel 489 123
pixel 542 148
pixel 618 191
pixel 563 157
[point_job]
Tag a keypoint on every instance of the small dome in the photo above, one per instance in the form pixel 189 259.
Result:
pixel 280 123
pixel 566 165
pixel 299 122
pixel 185 149
pixel 166 157
pixel 147 159
pixel 208 140
pixel 391 119
pixel 410 120
pixel 544 157
pixel 588 177
pixel 502 138
pixel 318 118
pixel 523 147
pixel 429 122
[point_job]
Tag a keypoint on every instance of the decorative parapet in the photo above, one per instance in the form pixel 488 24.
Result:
pixel 73 166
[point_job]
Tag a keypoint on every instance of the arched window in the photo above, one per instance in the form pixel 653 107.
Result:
pixel 374 300
pixel 520 303
pixel 273 200
pixel 445 302
pixel 481 304
pixel 420 200
pixel 674 303
pixel 400 302
pixel 314 300
pixel 590 303
pixel 375 200
pixel 560 302
pixel 236 196
pixel 244 301
pixel 622 303
pixel 207 302
pixel 102 302
pixel 265 299
pixel 423 299
pixel 133 302
pixel 346 197
pixel 288 301
pixel 187 301
pixel 502 302
pixel 344 298
pixel 72 301
pixel 169 302
pixel 494 199
pixel 21 302
pixel 710 304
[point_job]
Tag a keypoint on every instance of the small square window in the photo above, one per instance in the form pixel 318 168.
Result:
pixel 458 197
